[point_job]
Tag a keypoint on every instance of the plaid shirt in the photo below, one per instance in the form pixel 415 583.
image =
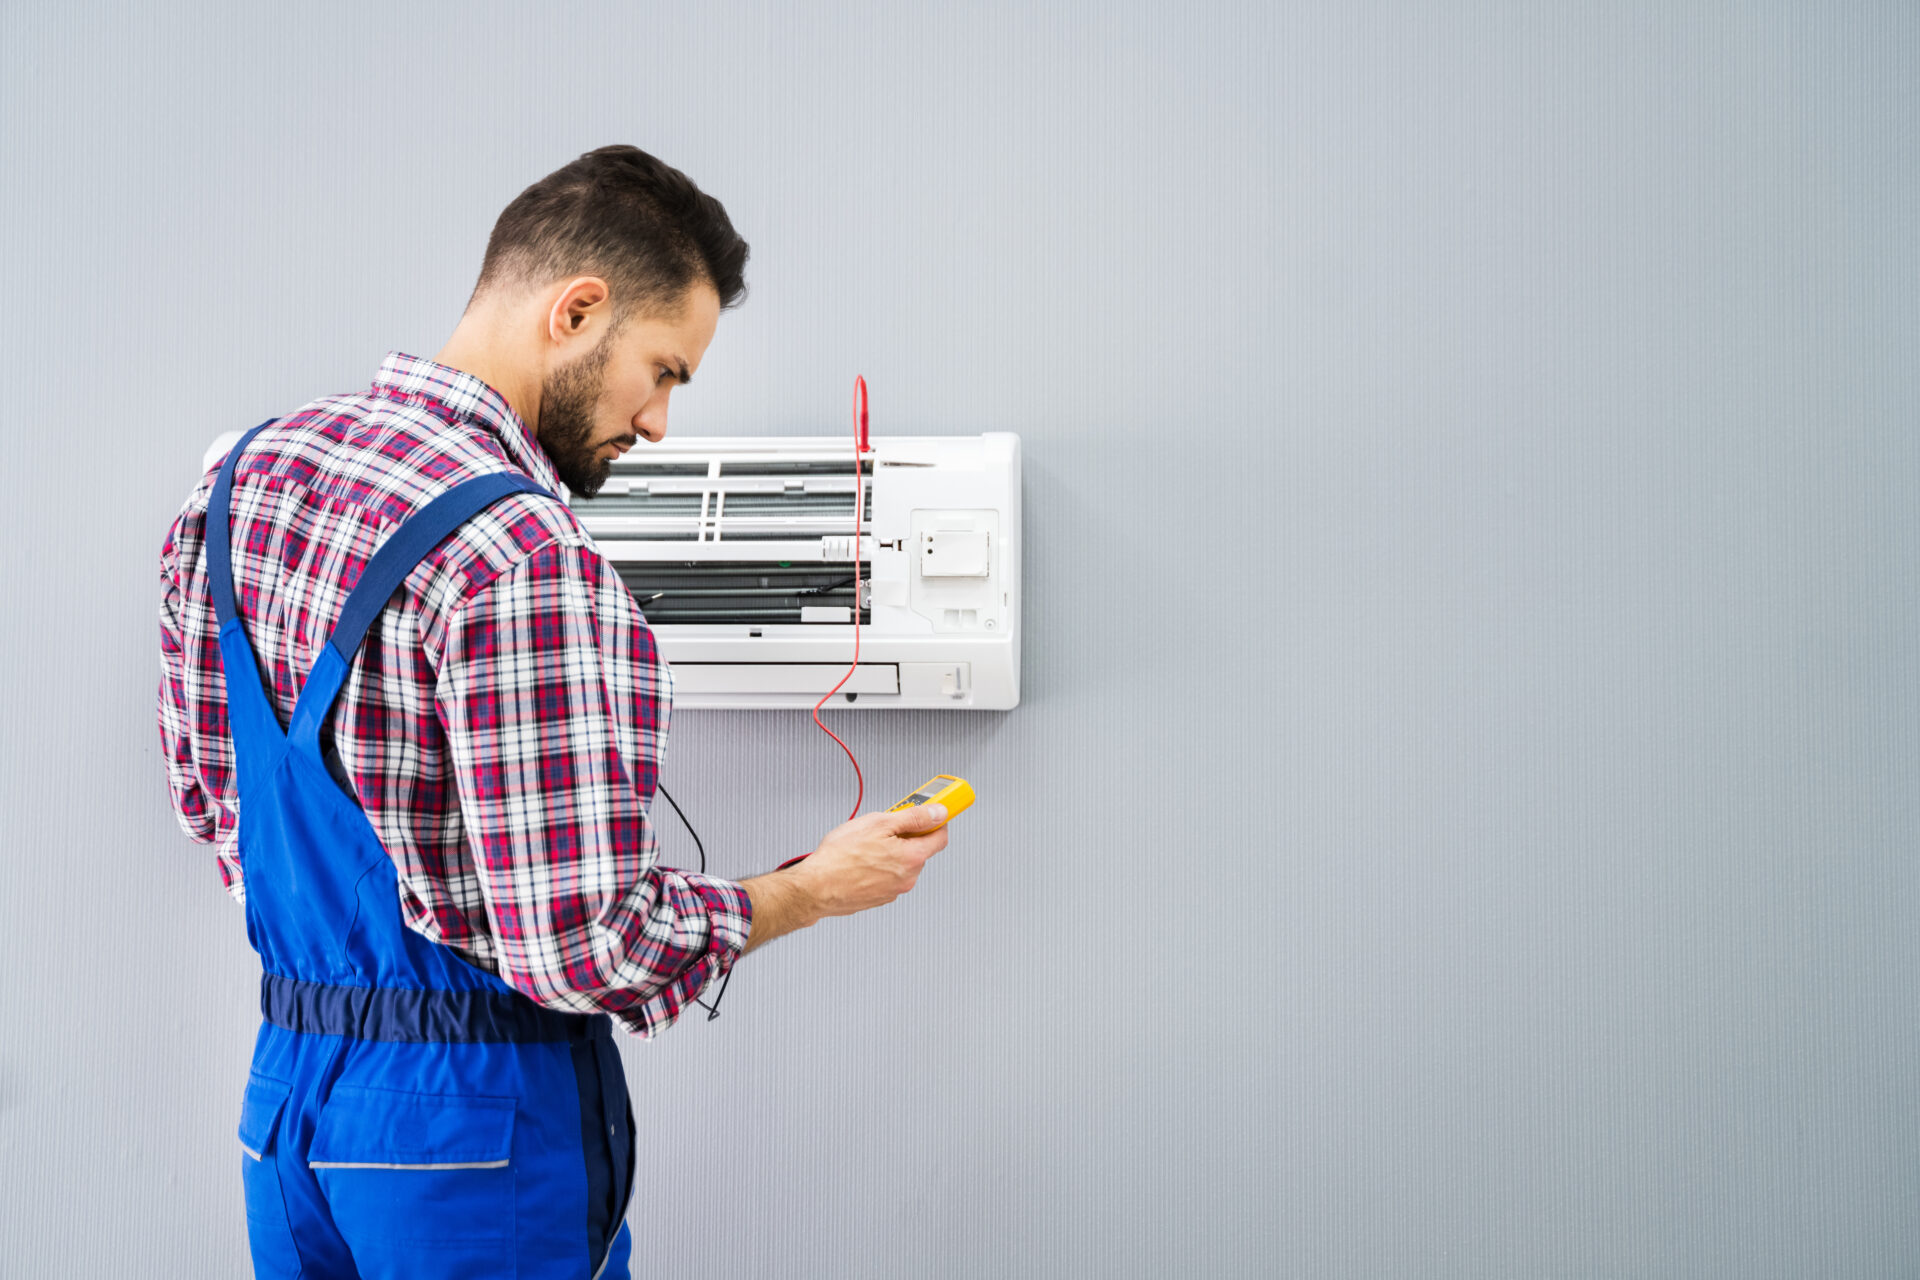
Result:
pixel 503 723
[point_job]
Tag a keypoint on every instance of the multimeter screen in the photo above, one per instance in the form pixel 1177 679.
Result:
pixel 918 797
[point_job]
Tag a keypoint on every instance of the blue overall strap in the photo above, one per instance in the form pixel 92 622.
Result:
pixel 418 534
pixel 218 537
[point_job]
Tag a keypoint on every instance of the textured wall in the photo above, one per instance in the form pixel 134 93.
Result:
pixel 1462 819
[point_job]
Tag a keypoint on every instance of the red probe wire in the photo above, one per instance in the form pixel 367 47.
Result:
pixel 860 446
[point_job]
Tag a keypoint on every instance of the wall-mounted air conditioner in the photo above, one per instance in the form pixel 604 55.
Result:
pixel 740 553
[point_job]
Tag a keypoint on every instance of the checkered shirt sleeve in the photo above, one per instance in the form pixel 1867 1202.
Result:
pixel 530 676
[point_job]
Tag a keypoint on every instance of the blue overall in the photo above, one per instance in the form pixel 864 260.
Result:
pixel 408 1114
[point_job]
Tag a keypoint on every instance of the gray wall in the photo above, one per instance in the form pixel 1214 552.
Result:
pixel 1462 818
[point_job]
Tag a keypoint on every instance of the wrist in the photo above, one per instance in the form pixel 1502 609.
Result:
pixel 783 902
pixel 803 903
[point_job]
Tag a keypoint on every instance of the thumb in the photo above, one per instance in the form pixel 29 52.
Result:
pixel 920 818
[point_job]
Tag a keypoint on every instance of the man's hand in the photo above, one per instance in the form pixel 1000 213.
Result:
pixel 867 862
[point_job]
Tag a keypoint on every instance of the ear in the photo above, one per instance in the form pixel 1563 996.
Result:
pixel 583 304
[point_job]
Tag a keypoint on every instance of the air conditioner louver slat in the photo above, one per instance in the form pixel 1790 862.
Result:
pixel 639 502
pixel 642 469
pixel 744 594
pixel 818 467
pixel 796 503
pixel 746 501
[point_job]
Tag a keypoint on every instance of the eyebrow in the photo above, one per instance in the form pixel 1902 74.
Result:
pixel 684 374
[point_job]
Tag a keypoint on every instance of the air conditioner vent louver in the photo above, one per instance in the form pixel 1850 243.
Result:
pixel 641 503
pixel 663 468
pixel 794 502
pixel 723 592
pixel 841 467
pixel 748 502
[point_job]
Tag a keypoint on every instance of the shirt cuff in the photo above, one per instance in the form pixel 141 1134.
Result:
pixel 729 910
pixel 729 913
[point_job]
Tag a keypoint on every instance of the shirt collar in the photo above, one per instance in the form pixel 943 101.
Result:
pixel 456 392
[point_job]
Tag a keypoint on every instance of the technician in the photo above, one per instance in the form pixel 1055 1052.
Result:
pixel 420 719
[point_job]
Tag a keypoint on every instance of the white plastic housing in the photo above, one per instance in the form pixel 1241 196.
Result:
pixel 941 553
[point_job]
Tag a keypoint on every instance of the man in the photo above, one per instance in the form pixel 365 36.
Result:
pixel 421 720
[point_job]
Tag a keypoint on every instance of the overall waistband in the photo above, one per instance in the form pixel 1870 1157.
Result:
pixel 420 1017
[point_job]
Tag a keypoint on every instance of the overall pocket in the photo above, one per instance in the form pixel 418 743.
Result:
pixel 408 1171
pixel 269 1233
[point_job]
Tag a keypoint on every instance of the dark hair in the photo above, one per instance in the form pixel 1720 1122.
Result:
pixel 619 213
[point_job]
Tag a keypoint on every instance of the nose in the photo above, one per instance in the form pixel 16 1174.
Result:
pixel 651 421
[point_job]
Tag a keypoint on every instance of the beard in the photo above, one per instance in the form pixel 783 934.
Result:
pixel 567 400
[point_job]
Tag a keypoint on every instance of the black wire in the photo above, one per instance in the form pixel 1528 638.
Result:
pixel 689 826
pixel 713 1010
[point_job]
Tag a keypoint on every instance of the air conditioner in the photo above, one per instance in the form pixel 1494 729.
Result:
pixel 740 554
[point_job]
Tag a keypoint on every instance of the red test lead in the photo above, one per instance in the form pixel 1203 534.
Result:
pixel 860 446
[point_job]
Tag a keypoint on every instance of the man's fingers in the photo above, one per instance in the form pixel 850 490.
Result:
pixel 924 844
pixel 919 818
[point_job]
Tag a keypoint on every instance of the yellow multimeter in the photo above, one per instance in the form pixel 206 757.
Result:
pixel 955 793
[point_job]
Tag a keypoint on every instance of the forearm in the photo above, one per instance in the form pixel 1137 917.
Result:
pixel 864 863
pixel 781 904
